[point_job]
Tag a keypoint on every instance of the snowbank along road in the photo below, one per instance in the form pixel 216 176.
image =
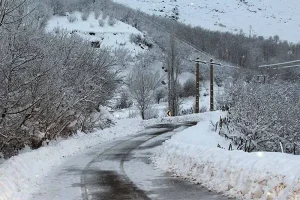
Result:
pixel 121 170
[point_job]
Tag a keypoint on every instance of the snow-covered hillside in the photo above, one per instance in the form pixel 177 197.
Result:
pixel 255 17
pixel 115 36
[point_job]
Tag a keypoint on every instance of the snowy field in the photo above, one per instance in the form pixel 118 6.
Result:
pixel 193 154
pixel 116 36
pixel 257 17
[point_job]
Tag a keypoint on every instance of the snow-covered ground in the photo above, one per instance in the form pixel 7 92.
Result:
pixel 116 36
pixel 159 109
pixel 20 176
pixel 162 108
pixel 256 17
pixel 193 154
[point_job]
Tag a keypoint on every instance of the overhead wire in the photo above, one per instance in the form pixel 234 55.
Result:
pixel 186 42
pixel 209 56
pixel 283 63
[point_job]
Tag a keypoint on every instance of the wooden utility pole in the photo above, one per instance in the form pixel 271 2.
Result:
pixel 198 61
pixel 173 62
pixel 211 85
pixel 197 87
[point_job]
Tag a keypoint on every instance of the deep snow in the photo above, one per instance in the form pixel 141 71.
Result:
pixel 20 176
pixel 193 154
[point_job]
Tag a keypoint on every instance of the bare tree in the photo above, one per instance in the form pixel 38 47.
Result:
pixel 142 83
pixel 12 11
pixel 172 62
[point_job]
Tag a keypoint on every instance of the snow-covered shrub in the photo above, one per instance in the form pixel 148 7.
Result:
pixel 124 101
pixel 189 88
pixel 101 22
pixel 135 38
pixel 72 18
pixel 1 158
pixel 187 111
pixel 146 41
pixel 203 109
pixel 11 146
pixel 218 81
pixel 96 120
pixel 97 14
pixel 123 56
pixel 133 113
pixel 160 94
pixel 57 30
pixel 104 16
pixel 266 115
pixel 138 39
pixel 224 99
pixel 85 16
pixel 151 113
pixel 111 21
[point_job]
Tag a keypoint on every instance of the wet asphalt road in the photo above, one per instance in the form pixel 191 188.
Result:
pixel 124 171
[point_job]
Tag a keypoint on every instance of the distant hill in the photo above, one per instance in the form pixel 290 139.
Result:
pixel 256 17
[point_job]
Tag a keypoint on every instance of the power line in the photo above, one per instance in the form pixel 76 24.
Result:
pixel 285 67
pixel 211 56
pixel 185 41
pixel 221 63
pixel 283 63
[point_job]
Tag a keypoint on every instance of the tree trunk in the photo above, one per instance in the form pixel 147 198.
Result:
pixel 143 115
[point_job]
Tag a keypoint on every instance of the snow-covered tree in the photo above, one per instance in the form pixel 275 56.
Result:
pixel 172 64
pixel 142 83
pixel 266 115
pixel 51 85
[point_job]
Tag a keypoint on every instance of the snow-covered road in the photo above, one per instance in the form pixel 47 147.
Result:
pixel 120 169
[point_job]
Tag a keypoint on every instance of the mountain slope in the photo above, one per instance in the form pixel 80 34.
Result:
pixel 113 36
pixel 258 17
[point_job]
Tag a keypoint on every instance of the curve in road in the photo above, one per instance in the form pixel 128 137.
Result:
pixel 121 170
pixel 124 171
